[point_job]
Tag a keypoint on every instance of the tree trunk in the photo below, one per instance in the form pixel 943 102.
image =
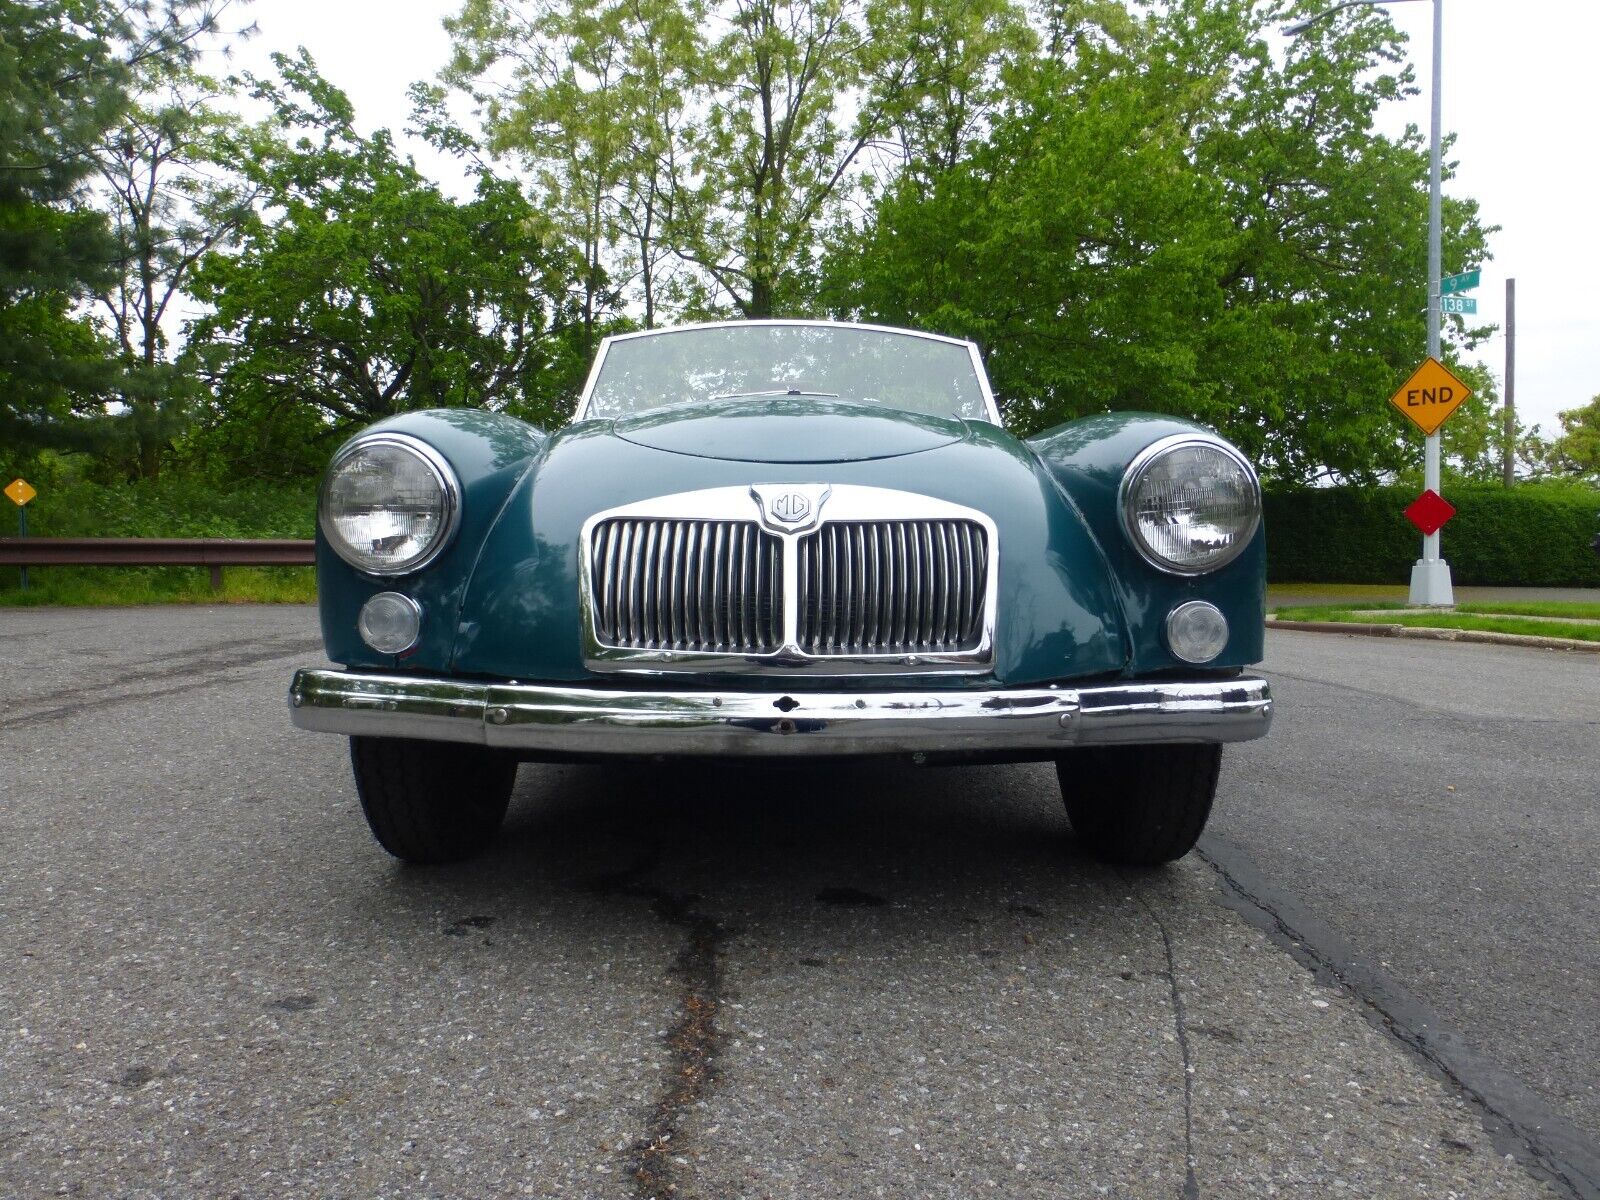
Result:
pixel 149 457
pixel 760 299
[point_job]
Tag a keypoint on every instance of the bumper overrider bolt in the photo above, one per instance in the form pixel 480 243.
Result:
pixel 499 716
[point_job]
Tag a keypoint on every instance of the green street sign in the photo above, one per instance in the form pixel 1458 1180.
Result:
pixel 1464 282
pixel 1461 306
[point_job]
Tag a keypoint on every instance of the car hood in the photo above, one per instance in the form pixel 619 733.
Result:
pixel 789 429
pixel 1058 616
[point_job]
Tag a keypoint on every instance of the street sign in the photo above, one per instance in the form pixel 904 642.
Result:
pixel 1459 305
pixel 1430 395
pixel 1429 511
pixel 20 491
pixel 1463 282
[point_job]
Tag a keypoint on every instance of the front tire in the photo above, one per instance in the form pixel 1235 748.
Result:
pixel 431 802
pixel 1139 806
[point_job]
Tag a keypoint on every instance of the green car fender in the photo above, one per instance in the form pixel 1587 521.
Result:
pixel 1087 459
pixel 488 452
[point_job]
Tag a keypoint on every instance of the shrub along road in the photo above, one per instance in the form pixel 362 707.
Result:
pixel 694 981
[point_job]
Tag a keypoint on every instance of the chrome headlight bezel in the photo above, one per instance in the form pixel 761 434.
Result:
pixel 1134 475
pixel 450 501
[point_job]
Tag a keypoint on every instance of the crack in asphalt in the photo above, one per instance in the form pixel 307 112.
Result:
pixel 206 667
pixel 693 1040
pixel 1516 1122
pixel 1191 1183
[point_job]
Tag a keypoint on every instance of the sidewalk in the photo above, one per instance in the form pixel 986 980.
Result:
pixel 1284 595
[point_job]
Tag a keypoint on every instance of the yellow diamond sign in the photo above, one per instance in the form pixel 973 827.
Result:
pixel 1430 395
pixel 20 491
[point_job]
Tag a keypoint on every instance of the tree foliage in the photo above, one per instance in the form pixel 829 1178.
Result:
pixel 1577 450
pixel 171 199
pixel 1127 205
pixel 66 69
pixel 724 136
pixel 591 100
pixel 362 290
pixel 1169 217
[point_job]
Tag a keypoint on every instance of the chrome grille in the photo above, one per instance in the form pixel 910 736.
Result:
pixel 892 587
pixel 710 586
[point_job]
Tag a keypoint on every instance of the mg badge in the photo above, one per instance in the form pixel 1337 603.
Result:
pixel 789 507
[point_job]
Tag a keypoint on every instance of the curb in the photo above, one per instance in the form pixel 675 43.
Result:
pixel 1436 635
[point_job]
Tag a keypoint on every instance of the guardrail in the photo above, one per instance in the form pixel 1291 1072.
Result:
pixel 214 553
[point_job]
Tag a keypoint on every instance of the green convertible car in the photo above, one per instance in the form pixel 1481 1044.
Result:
pixel 782 538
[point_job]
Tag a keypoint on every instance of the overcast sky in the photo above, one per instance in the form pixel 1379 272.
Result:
pixel 1519 90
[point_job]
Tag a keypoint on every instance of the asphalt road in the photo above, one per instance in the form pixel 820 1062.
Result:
pixel 1438 807
pixel 720 982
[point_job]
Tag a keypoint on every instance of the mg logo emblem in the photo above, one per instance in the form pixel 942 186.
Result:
pixel 791 507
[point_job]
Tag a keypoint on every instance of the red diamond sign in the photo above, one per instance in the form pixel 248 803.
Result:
pixel 1429 511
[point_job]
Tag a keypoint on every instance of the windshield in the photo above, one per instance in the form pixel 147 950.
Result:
pixel 844 362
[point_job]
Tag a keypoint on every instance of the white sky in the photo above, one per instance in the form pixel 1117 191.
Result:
pixel 1518 90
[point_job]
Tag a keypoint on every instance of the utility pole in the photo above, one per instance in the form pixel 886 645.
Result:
pixel 1509 458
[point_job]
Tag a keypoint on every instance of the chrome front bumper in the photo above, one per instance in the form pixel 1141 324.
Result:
pixel 633 722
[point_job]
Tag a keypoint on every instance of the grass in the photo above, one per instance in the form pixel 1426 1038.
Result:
pixel 91 586
pixel 1480 617
pixel 1568 609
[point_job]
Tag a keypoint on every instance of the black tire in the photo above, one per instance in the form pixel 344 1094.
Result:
pixel 1139 806
pixel 431 802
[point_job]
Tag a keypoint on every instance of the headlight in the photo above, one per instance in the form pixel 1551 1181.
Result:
pixel 1190 503
pixel 389 504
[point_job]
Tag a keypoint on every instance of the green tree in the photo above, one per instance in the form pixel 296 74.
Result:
pixel 941 71
pixel 725 136
pixel 370 292
pixel 1577 450
pixel 1472 441
pixel 66 67
pixel 172 198
pixel 590 100
pixel 1169 217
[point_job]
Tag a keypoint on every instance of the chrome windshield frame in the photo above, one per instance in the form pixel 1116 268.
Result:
pixel 581 412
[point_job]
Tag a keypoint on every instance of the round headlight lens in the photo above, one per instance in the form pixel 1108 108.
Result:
pixel 1190 504
pixel 389 504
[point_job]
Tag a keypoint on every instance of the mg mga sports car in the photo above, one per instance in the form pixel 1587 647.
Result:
pixel 779 538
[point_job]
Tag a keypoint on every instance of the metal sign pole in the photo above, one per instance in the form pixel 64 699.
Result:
pixel 1430 576
pixel 22 531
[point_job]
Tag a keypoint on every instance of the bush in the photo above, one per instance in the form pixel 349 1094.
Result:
pixel 172 507
pixel 1533 535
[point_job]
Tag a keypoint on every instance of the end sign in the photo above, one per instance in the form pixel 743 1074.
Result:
pixel 1430 395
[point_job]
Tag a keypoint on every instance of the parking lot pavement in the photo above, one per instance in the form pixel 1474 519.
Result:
pixel 685 981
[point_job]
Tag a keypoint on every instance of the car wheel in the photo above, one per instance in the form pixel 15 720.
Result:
pixel 431 802
pixel 1139 805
